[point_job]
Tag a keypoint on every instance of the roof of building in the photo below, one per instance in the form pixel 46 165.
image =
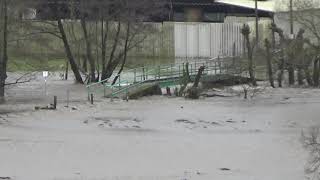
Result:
pixel 262 5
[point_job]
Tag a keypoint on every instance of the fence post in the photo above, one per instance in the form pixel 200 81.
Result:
pixel 55 102
pixel 91 98
pixel 68 94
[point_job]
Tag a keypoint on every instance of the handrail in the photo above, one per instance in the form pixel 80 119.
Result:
pixel 100 82
pixel 161 73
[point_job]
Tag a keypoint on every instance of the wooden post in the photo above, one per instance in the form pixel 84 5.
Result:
pixel 68 94
pixel 55 102
pixel 91 98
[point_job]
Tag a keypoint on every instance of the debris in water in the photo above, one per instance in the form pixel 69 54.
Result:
pixel 225 169
pixel 185 121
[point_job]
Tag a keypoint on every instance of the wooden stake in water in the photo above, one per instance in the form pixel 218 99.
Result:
pixel 55 102
pixel 68 94
pixel 91 98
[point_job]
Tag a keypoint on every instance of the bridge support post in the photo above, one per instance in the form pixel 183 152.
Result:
pixel 146 74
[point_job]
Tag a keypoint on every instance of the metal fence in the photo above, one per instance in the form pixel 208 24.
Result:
pixel 201 40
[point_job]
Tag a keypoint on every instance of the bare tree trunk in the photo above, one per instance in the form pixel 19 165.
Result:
pixel 104 35
pixel 4 58
pixel 269 64
pixel 125 54
pixel 198 77
pixel 316 72
pixel 308 75
pixel 246 33
pixel 187 72
pixel 97 52
pixel 113 63
pixel 281 69
pixel 300 76
pixel 70 57
pixel 89 52
pixel 185 79
pixel 291 74
pixel 193 92
pixel 281 64
pixel 84 63
pixel 67 71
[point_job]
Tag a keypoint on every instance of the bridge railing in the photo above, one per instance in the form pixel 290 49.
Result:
pixel 134 77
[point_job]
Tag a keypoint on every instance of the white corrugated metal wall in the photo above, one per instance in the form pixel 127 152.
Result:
pixel 203 40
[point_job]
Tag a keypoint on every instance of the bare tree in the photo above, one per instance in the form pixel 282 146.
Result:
pixel 307 15
pixel 4 44
pixel 246 33
pixel 269 62
pixel 311 141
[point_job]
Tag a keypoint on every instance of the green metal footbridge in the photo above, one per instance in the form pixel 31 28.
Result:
pixel 165 75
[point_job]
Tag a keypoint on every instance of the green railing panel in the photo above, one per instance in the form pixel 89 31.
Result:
pixel 166 75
